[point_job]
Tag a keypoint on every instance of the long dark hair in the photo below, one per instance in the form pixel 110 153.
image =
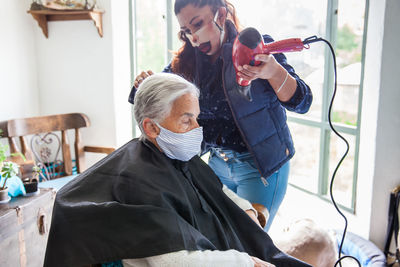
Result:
pixel 182 63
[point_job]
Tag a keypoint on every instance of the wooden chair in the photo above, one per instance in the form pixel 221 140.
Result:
pixel 263 213
pixel 45 130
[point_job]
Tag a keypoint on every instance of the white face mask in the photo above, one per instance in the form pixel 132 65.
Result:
pixel 181 146
pixel 203 35
pixel 221 29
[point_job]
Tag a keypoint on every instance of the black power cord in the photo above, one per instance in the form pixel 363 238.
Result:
pixel 307 41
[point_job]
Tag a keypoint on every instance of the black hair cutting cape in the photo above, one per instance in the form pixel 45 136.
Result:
pixel 138 203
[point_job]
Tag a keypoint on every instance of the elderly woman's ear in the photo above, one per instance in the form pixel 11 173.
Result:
pixel 150 128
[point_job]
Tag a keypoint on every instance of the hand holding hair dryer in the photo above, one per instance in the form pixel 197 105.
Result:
pixel 249 43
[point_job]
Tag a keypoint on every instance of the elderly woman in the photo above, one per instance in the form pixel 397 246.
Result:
pixel 154 202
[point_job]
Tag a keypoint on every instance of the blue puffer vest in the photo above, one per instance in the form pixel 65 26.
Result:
pixel 262 121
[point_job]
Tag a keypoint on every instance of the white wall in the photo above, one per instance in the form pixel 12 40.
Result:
pixel 386 174
pixel 379 168
pixel 369 118
pixel 74 70
pixel 19 93
pixel 77 71
pixel 75 75
pixel 121 71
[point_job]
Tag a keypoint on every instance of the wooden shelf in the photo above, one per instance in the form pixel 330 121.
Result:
pixel 43 16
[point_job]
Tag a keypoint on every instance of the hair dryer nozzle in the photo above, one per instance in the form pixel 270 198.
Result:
pixel 250 38
pixel 248 43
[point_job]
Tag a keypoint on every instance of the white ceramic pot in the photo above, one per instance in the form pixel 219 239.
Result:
pixel 4 197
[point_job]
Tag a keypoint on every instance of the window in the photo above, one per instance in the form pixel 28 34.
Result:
pixel 150 35
pixel 318 149
pixel 342 23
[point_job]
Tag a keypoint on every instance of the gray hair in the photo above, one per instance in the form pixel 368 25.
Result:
pixel 156 95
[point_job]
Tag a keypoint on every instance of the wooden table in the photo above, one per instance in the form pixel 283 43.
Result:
pixel 24 227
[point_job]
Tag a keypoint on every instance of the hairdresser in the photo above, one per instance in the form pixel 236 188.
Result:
pixel 249 141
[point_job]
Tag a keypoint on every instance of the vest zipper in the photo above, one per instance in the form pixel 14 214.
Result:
pixel 236 122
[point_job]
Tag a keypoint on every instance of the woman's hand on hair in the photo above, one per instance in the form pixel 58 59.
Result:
pixel 266 70
pixel 140 78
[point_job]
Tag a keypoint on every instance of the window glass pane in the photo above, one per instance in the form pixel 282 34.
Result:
pixel 176 43
pixel 343 184
pixel 292 19
pixel 150 35
pixel 304 165
pixel 348 52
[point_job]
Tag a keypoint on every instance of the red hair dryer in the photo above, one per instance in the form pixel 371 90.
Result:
pixel 249 43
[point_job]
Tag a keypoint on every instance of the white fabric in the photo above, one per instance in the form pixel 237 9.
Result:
pixel 241 202
pixel 199 258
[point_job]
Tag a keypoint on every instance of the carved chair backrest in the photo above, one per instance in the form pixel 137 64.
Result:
pixel 44 130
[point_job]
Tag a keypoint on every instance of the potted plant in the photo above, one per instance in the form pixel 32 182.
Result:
pixel 3 190
pixel 3 151
pixel 8 170
pixel 31 185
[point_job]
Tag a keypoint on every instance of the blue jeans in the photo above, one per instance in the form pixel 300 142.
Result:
pixel 239 173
